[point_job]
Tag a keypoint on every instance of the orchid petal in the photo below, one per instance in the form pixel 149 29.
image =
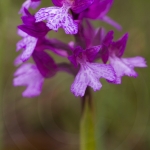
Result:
pixel 57 17
pixel 28 75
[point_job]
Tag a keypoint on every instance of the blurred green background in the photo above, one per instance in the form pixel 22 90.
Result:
pixel 51 121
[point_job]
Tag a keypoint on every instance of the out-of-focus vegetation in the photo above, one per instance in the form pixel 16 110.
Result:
pixel 51 121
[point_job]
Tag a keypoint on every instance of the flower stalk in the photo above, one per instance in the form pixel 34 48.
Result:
pixel 87 125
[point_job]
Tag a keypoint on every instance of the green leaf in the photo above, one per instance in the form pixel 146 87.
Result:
pixel 87 129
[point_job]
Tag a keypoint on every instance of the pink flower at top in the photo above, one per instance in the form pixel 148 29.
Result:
pixel 89 73
pixel 58 17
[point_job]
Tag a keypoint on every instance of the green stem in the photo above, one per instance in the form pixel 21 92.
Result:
pixel 87 126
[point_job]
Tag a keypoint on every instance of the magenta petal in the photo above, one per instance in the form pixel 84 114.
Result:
pixel 99 36
pixel 89 33
pixel 91 53
pixel 37 30
pixel 98 9
pixel 28 75
pixel 58 3
pixel 108 38
pixel 32 28
pixel 76 52
pixel 104 54
pixel 45 64
pixel 107 41
pixel 104 7
pixel 73 60
pixel 80 5
pixel 119 46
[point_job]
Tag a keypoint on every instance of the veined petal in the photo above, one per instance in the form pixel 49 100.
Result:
pixel 103 71
pixel 28 75
pixel 125 66
pixel 80 83
pixel 30 43
pixel 57 17
pixel 21 44
pixel 135 61
pixel 69 25
pixel 44 13
pixel 89 75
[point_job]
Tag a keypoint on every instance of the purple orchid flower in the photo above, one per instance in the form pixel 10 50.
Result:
pixel 39 44
pixel 32 76
pixel 29 3
pixel 34 39
pixel 29 75
pixel 58 17
pixel 114 52
pixel 98 11
pixel 31 33
pixel 89 73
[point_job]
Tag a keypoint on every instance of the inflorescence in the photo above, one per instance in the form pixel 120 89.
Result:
pixel 90 45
